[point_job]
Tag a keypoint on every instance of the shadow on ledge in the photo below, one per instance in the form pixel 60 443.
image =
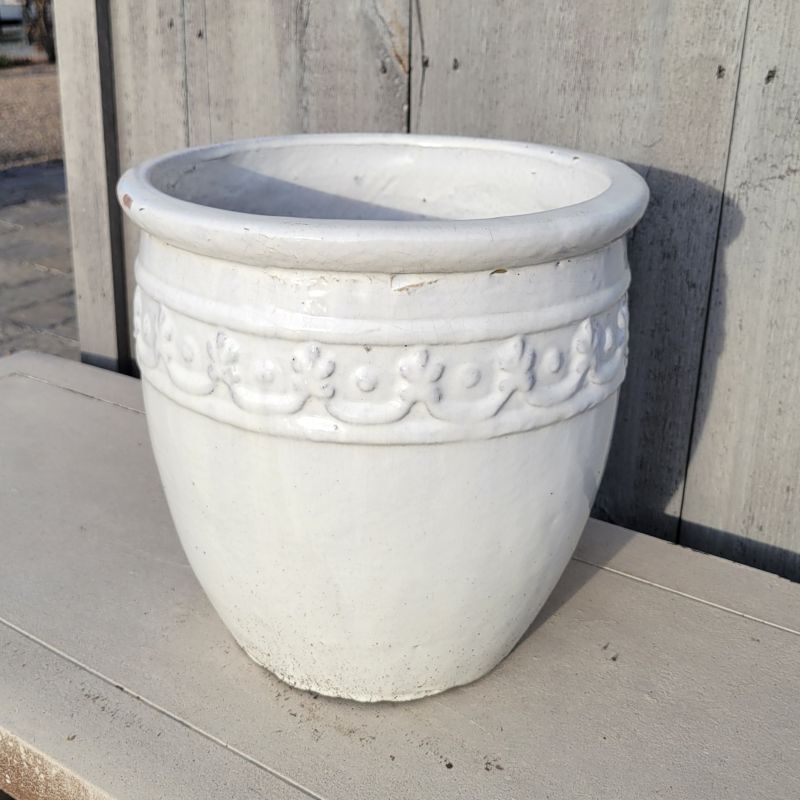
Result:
pixel 606 544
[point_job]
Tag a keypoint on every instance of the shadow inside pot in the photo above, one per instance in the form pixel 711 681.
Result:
pixel 230 187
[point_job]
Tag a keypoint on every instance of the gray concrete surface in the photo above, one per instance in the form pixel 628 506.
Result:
pixel 37 296
pixel 37 304
pixel 653 671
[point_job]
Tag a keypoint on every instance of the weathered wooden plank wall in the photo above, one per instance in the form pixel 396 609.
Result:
pixel 86 78
pixel 189 72
pixel 292 66
pixel 149 47
pixel 657 84
pixel 742 490
pixel 652 84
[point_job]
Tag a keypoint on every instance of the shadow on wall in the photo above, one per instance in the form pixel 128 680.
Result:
pixel 672 256
pixel 671 253
pixel 761 555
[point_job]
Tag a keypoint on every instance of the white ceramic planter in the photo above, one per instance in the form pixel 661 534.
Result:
pixel 380 373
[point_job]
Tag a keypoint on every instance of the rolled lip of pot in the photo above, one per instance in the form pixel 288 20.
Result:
pixel 389 246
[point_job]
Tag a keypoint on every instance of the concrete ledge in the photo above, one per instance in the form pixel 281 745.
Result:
pixel 653 671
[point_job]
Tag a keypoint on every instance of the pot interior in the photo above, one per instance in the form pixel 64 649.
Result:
pixel 377 180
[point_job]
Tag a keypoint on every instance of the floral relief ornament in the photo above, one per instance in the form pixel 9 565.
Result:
pixel 515 360
pixel 223 352
pixel 542 378
pixel 420 376
pixel 312 370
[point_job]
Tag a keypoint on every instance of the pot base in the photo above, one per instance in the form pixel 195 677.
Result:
pixel 326 689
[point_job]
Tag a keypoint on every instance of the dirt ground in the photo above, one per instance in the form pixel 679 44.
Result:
pixel 30 115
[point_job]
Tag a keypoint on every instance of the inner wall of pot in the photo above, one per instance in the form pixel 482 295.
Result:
pixel 363 181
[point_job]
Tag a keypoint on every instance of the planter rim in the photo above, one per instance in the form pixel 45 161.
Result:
pixel 389 246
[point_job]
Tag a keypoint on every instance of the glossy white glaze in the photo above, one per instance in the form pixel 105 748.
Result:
pixel 380 435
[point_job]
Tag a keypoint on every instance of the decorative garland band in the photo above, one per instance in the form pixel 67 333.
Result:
pixel 428 394
pixel 278 323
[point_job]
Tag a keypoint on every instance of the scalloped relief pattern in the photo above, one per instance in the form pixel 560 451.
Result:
pixel 451 383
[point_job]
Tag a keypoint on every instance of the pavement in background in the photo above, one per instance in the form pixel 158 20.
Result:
pixel 37 295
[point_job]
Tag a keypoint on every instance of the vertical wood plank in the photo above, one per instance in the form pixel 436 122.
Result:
pixel 150 77
pixel 742 497
pixel 148 42
pixel 296 65
pixel 89 146
pixel 190 72
pixel 652 84
pixel 198 111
